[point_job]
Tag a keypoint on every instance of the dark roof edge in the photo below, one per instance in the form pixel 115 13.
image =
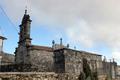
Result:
pixel 37 47
pixel 78 51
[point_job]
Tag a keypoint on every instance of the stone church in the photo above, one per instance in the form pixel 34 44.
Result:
pixel 58 59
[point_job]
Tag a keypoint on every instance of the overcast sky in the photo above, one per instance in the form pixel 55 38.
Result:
pixel 90 25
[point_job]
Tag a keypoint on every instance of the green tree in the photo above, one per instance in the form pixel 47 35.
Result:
pixel 87 71
pixel 82 76
pixel 86 68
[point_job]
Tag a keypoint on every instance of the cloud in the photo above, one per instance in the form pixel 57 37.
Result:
pixel 88 22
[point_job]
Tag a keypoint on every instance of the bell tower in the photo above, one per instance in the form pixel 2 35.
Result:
pixel 24 35
pixel 22 51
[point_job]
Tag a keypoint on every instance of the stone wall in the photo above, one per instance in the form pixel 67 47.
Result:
pixel 118 71
pixel 110 69
pixel 59 61
pixel 41 60
pixel 36 76
pixel 71 60
pixel 42 76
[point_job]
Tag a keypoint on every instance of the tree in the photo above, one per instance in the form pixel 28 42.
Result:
pixel 86 68
pixel 82 76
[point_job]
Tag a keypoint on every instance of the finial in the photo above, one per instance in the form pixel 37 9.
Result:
pixel 25 11
pixel 104 58
pixel 113 60
pixel 75 47
pixel 60 41
pixel 53 42
pixel 67 45
pixel 110 60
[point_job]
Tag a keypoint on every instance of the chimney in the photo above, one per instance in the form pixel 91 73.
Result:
pixel 1 43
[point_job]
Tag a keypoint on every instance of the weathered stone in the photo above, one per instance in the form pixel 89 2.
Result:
pixel 37 76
